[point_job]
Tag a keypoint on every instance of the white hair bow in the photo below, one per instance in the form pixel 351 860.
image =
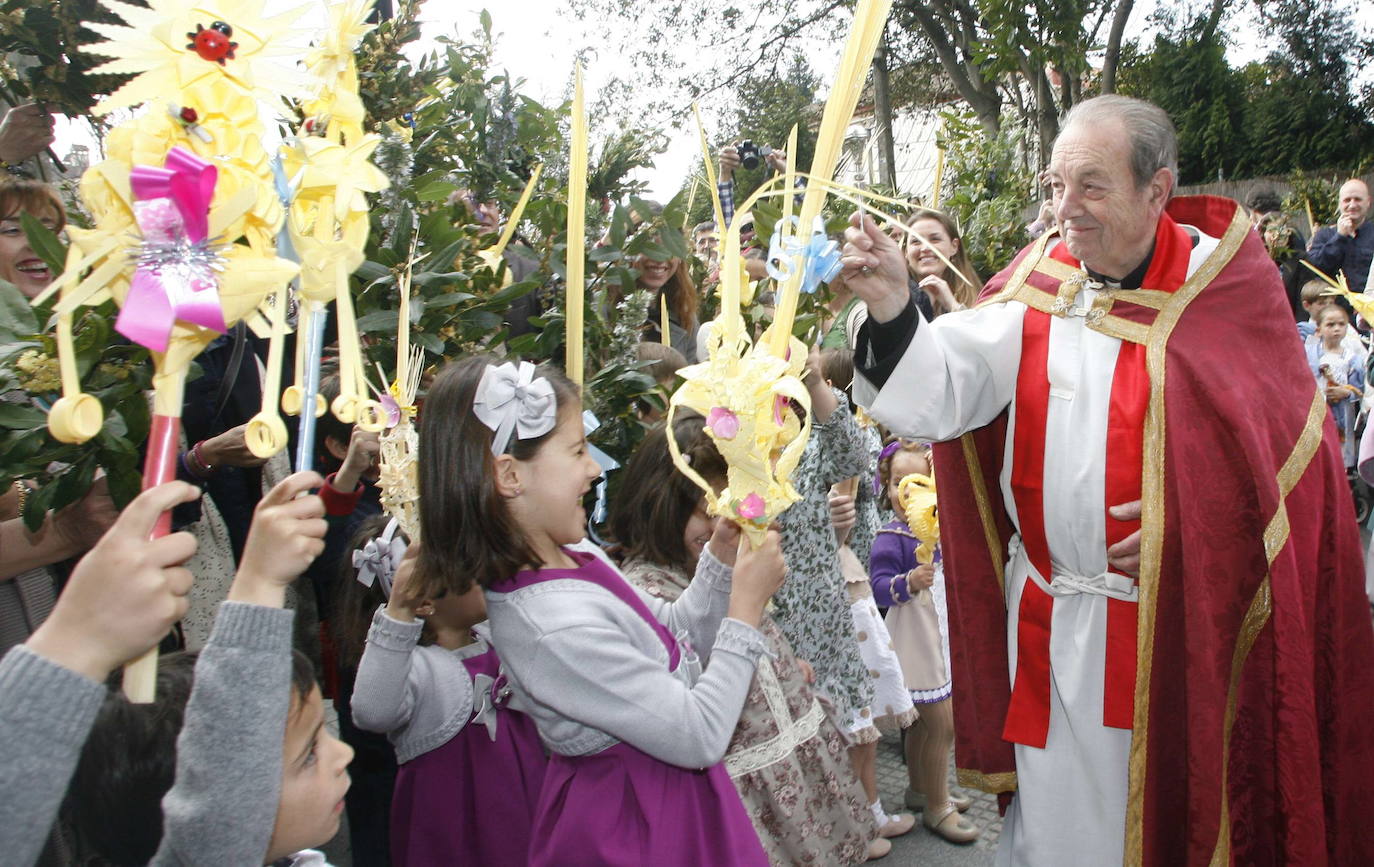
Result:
pixel 379 559
pixel 511 400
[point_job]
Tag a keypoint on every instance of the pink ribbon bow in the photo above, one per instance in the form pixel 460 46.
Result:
pixel 175 278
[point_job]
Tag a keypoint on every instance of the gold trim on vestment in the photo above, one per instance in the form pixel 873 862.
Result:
pixel 993 784
pixel 1257 616
pixel 980 495
pixel 1152 520
pixel 1022 271
pixel 1108 324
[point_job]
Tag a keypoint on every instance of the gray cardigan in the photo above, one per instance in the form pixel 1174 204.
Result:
pixel 591 672
pixel 222 808
pixel 419 697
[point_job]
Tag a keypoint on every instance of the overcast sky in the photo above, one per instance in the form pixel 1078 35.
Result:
pixel 534 41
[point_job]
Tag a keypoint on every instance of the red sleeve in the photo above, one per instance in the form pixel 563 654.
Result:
pixel 338 502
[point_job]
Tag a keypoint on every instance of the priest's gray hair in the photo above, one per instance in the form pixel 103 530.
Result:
pixel 1154 142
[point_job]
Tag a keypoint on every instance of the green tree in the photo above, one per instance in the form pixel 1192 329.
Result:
pixel 1189 78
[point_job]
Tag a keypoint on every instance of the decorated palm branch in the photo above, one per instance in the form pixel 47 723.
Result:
pixel 756 405
pixel 188 212
pixel 916 493
pixel 400 441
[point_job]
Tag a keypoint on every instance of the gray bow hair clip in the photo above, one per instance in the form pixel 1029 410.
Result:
pixel 379 559
pixel 512 400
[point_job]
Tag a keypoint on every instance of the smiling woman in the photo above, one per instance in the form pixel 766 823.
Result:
pixel 671 279
pixel 19 264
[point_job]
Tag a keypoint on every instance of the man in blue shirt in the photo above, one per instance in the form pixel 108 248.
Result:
pixel 1349 245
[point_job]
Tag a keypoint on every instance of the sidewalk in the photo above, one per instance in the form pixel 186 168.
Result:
pixel 921 847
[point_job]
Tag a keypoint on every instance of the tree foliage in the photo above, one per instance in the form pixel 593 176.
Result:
pixel 1296 109
pixel 459 133
pixel 44 62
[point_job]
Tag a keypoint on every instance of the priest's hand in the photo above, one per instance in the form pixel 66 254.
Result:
pixel 1124 556
pixel 875 268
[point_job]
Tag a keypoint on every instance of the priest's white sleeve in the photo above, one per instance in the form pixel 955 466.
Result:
pixel 956 375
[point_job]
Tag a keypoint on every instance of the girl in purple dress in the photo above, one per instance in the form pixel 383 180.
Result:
pixel 635 698
pixel 470 769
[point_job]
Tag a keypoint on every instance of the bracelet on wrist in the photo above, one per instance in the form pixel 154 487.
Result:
pixel 21 490
pixel 196 464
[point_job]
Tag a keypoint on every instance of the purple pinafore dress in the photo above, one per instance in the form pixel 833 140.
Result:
pixel 472 801
pixel 622 807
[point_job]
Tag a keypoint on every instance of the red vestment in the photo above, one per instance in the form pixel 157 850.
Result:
pixel 1255 652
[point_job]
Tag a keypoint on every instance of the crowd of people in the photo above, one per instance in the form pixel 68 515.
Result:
pixel 1142 622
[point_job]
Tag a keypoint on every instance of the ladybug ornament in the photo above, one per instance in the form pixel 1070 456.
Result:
pixel 213 43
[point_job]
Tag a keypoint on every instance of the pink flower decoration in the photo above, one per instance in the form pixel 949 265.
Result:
pixel 779 406
pixel 722 422
pixel 750 508
pixel 392 410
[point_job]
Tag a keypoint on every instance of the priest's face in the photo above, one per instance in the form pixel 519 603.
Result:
pixel 1108 220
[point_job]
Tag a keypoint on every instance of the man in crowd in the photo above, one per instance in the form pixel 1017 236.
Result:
pixel 1285 245
pixel 1349 245
pixel 1159 634
pixel 704 241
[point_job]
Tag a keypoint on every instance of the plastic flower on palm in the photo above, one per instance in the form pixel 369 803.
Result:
pixel 746 394
pixel 220 127
pixel 173 46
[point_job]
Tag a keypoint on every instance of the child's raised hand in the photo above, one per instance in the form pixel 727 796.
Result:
pixel 758 574
pixel 125 594
pixel 364 448
pixel 920 578
pixel 724 542
pixel 843 513
pixel 402 602
pixel 286 537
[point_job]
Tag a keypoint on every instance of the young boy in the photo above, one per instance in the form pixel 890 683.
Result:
pixel 258 779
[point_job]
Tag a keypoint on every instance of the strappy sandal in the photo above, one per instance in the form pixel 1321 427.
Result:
pixel 915 800
pixel 960 830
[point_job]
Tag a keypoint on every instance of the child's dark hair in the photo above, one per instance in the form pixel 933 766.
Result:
pixel 655 501
pixel 113 808
pixel 355 602
pixel 328 425
pixel 467 532
pixel 889 452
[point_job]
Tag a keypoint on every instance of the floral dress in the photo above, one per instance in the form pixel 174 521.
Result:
pixel 812 607
pixel 787 758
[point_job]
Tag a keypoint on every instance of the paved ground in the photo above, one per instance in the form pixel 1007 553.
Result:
pixel 921 847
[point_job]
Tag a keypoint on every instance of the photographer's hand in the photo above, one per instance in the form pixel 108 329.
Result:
pixel 729 161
